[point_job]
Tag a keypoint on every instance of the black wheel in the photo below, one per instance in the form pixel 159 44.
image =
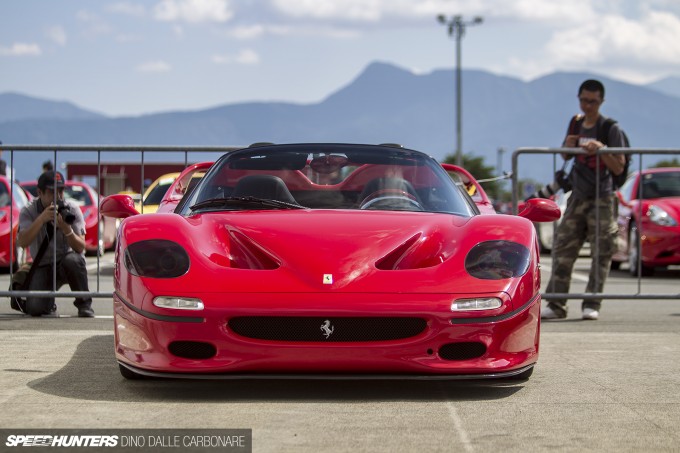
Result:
pixel 129 374
pixel 615 265
pixel 634 253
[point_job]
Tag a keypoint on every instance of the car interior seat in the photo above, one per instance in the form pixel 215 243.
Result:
pixel 268 187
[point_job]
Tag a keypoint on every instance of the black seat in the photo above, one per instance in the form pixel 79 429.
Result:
pixel 268 187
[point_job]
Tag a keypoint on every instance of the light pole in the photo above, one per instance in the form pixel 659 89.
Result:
pixel 457 25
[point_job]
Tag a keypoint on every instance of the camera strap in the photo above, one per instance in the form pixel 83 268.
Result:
pixel 38 257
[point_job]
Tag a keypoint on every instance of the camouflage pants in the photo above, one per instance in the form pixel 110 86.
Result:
pixel 583 219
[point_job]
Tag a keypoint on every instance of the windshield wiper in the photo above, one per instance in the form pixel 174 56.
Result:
pixel 244 201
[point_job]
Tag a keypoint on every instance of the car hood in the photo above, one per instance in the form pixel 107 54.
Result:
pixel 355 251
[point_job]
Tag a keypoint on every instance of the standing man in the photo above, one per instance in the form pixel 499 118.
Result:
pixel 588 203
pixel 34 221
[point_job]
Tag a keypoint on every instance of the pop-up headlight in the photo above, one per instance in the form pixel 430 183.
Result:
pixel 156 258
pixel 495 260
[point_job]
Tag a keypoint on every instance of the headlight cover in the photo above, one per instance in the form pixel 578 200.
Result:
pixel 660 216
pixel 156 258
pixel 496 260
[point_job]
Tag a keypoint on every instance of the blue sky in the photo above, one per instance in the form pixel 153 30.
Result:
pixel 124 57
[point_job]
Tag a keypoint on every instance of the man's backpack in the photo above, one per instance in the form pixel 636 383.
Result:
pixel 603 136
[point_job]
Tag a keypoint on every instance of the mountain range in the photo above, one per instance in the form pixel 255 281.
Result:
pixel 384 103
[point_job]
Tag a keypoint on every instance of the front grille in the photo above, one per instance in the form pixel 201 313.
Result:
pixel 332 329
pixel 192 349
pixel 462 351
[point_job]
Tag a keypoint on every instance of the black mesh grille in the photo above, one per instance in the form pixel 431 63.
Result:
pixel 192 349
pixel 462 351
pixel 333 329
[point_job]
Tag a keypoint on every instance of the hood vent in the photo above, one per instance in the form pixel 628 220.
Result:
pixel 417 252
pixel 244 253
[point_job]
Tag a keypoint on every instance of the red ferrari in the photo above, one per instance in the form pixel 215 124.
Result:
pixel 649 233
pixel 327 261
pixel 12 199
pixel 184 183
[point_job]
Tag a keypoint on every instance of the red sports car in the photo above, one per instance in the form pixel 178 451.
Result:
pixel 12 199
pixel 327 260
pixel 184 183
pixel 649 233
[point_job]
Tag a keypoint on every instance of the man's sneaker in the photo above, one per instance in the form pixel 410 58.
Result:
pixel 85 312
pixel 549 313
pixel 590 314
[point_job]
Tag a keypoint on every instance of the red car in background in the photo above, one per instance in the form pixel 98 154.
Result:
pixel 87 200
pixel 12 199
pixel 649 229
pixel 182 185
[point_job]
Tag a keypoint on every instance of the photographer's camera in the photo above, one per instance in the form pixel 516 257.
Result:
pixel 65 212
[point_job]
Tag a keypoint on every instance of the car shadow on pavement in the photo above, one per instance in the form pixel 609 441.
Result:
pixel 92 374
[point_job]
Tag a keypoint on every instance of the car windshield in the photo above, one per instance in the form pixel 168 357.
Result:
pixel 661 185
pixel 312 176
pixel 78 194
pixel 156 195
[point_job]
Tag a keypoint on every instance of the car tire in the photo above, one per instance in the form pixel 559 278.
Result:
pixel 129 374
pixel 615 265
pixel 634 250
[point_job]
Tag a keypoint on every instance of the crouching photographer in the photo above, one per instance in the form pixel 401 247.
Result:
pixel 37 231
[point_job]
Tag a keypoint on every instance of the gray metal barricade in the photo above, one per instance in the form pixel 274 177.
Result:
pixel 12 151
pixel 554 152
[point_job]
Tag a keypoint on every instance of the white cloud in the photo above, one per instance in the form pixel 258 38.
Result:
pixel 154 66
pixel 243 57
pixel 542 11
pixel 95 24
pixel 359 10
pixel 655 38
pixel 385 11
pixel 127 8
pixel 247 32
pixel 193 11
pixel 57 34
pixel 20 49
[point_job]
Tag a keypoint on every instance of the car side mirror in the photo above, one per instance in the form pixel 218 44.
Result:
pixel 118 206
pixel 540 210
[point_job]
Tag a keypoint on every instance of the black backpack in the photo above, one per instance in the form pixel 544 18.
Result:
pixel 603 136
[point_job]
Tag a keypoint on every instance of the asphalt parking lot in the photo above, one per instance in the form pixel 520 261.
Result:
pixel 607 385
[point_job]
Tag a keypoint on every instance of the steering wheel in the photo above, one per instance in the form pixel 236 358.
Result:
pixel 391 200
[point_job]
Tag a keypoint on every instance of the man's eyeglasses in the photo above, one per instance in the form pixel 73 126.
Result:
pixel 589 101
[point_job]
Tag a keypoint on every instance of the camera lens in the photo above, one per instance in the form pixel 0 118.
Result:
pixel 65 212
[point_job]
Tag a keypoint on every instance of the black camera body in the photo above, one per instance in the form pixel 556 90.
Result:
pixel 65 212
pixel 561 181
